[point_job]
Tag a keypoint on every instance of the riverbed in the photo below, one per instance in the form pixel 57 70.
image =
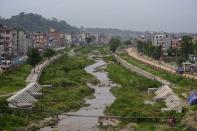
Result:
pixel 86 118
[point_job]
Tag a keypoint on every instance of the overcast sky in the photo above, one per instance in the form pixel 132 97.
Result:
pixel 139 15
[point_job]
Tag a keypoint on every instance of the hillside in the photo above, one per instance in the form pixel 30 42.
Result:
pixel 114 32
pixel 36 23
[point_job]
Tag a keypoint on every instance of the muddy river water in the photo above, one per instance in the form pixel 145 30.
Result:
pixel 103 97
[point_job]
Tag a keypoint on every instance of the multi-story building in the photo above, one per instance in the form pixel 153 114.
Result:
pixel 176 43
pixel 66 40
pixel 162 40
pixel 6 42
pixel 54 39
pixel 21 43
pixel 40 40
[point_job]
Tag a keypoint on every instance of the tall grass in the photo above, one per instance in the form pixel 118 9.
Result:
pixel 184 84
pixel 14 79
pixel 131 96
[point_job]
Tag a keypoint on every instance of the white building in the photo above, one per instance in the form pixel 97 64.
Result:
pixel 162 40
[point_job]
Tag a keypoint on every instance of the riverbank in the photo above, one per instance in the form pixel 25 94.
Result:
pixel 181 84
pixel 14 79
pixel 131 97
pixel 87 118
pixel 68 93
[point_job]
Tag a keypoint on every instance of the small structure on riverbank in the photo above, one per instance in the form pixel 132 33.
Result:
pixel 25 97
pixel 166 93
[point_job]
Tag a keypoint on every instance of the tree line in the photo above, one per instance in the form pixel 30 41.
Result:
pixel 34 56
pixel 182 54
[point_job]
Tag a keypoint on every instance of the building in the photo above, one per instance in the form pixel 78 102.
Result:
pixel 21 43
pixel 193 58
pixel 163 40
pixel 55 40
pixel 68 39
pixel 6 42
pixel 39 40
pixel 176 43
pixel 194 38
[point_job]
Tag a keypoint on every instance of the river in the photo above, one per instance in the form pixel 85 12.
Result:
pixel 102 98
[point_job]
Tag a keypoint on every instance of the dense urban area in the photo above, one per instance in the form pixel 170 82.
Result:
pixel 54 76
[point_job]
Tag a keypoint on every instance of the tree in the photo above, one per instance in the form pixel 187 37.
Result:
pixel 195 48
pixel 34 57
pixel 114 44
pixel 186 46
pixel 49 52
pixel 140 46
pixel 128 42
pixel 157 53
pixel 180 60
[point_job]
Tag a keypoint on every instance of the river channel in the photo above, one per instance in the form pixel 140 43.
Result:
pixel 102 98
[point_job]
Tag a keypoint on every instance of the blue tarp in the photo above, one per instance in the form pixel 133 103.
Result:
pixel 192 99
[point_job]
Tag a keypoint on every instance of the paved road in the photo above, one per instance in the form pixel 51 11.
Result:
pixel 133 53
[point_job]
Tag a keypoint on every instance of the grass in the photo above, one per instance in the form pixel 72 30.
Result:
pixel 88 48
pixel 131 95
pixel 68 77
pixel 183 84
pixel 69 88
pixel 14 79
pixel 155 127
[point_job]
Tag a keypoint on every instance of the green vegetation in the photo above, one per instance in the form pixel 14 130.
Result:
pixel 187 47
pixel 14 79
pixel 49 52
pixel 67 94
pixel 183 83
pixel 114 44
pixel 87 49
pixel 131 96
pixel 148 49
pixel 34 57
pixel 155 127
pixel 36 23
pixel 69 88
pixel 130 99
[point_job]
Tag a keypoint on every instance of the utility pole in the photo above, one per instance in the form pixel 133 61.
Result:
pixel 161 46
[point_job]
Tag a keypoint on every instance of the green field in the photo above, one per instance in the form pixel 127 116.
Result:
pixel 14 79
pixel 182 84
pixel 130 99
pixel 68 77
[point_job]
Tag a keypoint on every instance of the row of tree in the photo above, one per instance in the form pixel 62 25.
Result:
pixel 35 56
pixel 182 54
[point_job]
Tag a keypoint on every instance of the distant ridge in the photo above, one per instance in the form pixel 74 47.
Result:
pixel 36 23
pixel 114 32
